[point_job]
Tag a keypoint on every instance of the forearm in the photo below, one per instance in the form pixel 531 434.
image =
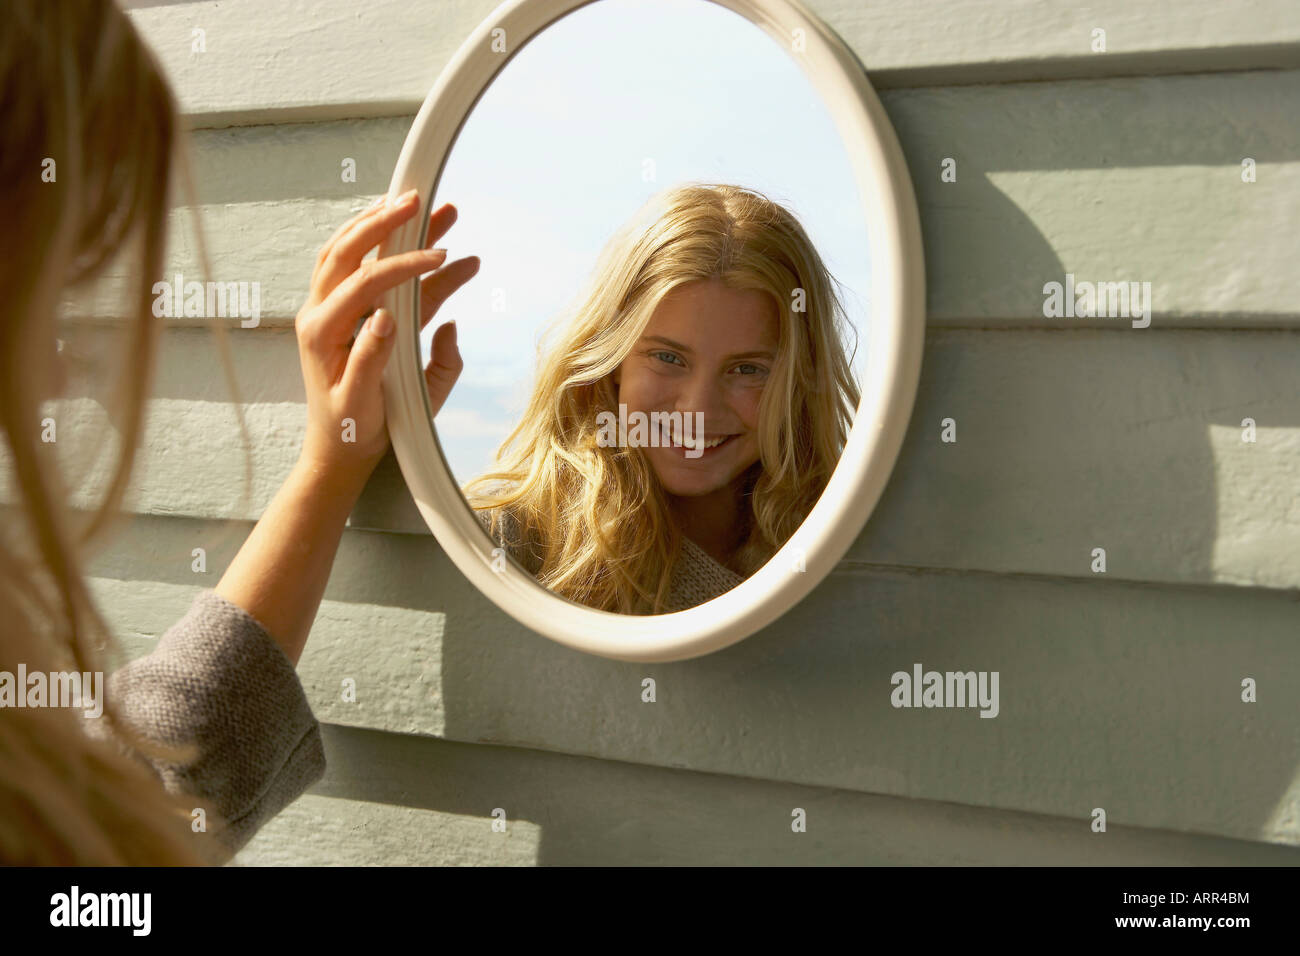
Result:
pixel 279 575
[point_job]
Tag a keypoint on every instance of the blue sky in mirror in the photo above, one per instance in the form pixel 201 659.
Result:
pixel 553 159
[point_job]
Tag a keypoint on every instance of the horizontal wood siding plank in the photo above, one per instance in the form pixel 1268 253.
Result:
pixel 391 800
pixel 300 60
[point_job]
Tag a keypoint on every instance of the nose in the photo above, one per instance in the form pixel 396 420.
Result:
pixel 703 392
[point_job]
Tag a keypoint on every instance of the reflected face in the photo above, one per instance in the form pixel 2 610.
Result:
pixel 707 348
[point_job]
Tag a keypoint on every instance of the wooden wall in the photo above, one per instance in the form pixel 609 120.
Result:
pixel 1119 690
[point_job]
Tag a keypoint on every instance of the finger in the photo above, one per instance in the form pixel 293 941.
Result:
pixel 323 283
pixel 437 288
pixel 361 290
pixel 370 210
pixel 445 366
pixel 359 239
pixel 442 219
pixel 370 353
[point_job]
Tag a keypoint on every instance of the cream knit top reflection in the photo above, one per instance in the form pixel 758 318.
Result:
pixel 697 578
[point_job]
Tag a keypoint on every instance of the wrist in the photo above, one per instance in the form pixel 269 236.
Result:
pixel 345 479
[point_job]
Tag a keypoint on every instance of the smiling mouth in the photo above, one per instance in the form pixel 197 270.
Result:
pixel 704 444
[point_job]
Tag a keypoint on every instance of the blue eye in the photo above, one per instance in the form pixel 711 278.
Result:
pixel 758 369
pixel 661 352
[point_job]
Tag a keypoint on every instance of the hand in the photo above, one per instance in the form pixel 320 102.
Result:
pixel 343 378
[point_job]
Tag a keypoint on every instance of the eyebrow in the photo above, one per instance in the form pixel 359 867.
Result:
pixel 760 353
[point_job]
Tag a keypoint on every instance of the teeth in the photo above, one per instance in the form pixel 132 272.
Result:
pixel 692 443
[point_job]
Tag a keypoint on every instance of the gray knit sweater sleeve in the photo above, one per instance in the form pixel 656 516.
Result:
pixel 218 680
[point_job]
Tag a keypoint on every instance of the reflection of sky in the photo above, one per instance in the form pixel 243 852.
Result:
pixel 551 162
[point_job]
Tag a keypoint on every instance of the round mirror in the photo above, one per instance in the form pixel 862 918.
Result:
pixel 693 344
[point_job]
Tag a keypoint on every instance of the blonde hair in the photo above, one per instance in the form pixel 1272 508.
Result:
pixel 596 516
pixel 79 88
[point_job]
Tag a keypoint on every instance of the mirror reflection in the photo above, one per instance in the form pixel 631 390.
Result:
pixel 663 347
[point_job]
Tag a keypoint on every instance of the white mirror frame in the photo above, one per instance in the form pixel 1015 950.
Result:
pixel 895 346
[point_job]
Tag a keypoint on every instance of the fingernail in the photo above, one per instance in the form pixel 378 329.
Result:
pixel 408 196
pixel 382 324
pixel 436 253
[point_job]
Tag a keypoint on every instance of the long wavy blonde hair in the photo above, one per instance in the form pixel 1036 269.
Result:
pixel 83 101
pixel 596 516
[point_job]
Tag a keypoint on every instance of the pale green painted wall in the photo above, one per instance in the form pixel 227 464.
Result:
pixel 1118 690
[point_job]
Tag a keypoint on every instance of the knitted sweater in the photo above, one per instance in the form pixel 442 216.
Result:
pixel 697 577
pixel 218 679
